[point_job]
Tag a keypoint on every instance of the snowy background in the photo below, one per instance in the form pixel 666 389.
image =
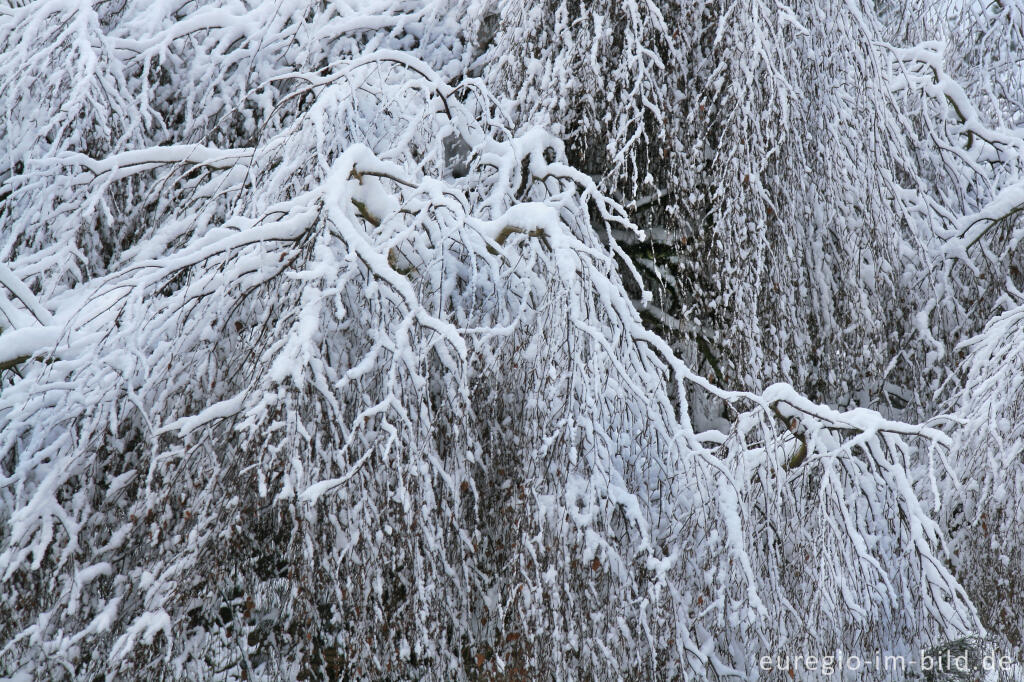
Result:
pixel 509 340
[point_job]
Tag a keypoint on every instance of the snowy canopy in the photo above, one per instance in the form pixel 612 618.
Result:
pixel 446 340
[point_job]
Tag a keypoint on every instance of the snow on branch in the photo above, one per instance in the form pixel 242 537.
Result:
pixel 995 154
